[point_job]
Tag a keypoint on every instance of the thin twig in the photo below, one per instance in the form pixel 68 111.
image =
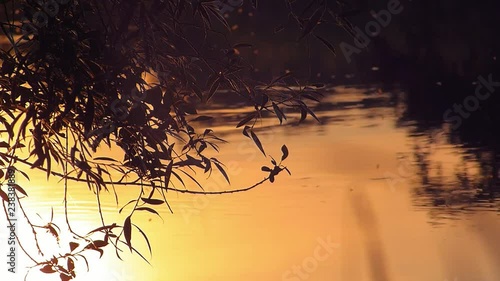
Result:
pixel 148 184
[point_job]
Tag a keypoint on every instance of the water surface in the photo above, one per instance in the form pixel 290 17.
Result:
pixel 393 202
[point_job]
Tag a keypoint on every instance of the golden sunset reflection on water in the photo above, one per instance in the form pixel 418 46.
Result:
pixel 339 195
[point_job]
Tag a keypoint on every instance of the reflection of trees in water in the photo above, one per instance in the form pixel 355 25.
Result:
pixel 427 96
pixel 473 186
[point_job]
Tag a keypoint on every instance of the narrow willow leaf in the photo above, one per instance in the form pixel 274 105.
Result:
pixel 214 88
pixel 20 189
pixel 245 131
pixel 119 211
pixel 245 120
pixel 152 201
pixel 202 118
pixel 105 159
pixel 106 227
pixel 312 114
pixel 303 114
pixel 89 117
pixel 222 171
pixel 313 22
pixel 193 179
pixel 288 74
pixel 242 45
pixel 127 231
pixel 257 142
pixel 148 210
pixel 327 44
pixel 279 28
pixel 24 174
pixel 197 91
pixel 179 178
pixel 307 96
pixel 145 238
pixel 168 173
pixel 318 85
pixel 4 196
pixel 279 113
pixel 273 161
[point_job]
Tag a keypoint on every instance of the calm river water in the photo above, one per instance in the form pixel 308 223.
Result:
pixel 369 199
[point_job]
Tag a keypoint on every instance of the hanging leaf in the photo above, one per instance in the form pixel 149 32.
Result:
pixel 307 96
pixel 129 202
pixel 73 246
pixel 24 174
pixel 279 28
pixel 105 159
pixel 257 142
pixel 327 44
pixel 127 231
pixel 100 243
pixel 148 210
pixel 245 131
pixel 20 189
pixel 284 149
pixel 197 91
pixel 4 196
pixel 222 171
pixel 215 12
pixel 71 265
pixel 313 22
pixel 279 113
pixel 89 116
pixel 145 237
pixel 202 118
pixel 152 201
pixel 286 75
pixel 318 85
pixel 94 248
pixel 273 161
pixel 245 120
pixel 47 269
pixel 214 88
pixel 208 165
pixel 242 45
pixel 106 227
pixel 65 277
pixel 52 230
pixel 303 114
pixel 265 99
pixel 312 114
pixel 168 173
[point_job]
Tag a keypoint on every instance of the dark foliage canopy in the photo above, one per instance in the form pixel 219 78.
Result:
pixel 77 75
